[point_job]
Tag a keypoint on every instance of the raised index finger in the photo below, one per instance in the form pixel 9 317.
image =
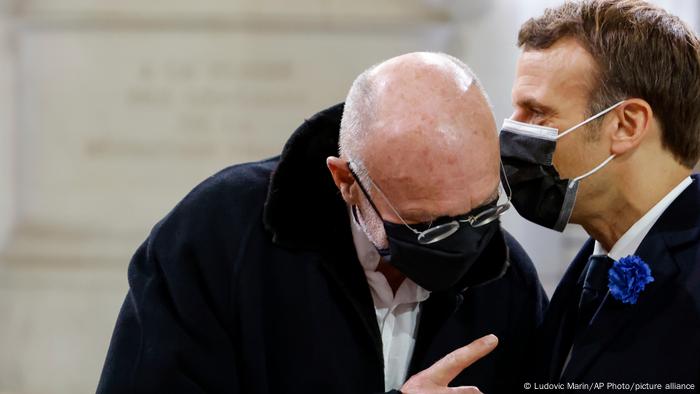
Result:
pixel 448 367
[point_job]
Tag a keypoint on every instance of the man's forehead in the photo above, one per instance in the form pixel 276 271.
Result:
pixel 548 77
pixel 432 164
pixel 420 164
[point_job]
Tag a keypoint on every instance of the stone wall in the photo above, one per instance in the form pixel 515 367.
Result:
pixel 117 109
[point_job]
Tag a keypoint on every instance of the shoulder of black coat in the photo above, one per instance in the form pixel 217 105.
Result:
pixel 229 198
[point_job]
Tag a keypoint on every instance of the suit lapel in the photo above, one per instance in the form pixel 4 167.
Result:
pixel 551 343
pixel 675 231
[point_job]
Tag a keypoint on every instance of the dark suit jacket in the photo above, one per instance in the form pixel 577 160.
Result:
pixel 656 340
pixel 252 285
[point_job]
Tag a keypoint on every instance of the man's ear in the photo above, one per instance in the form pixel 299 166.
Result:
pixel 634 118
pixel 343 178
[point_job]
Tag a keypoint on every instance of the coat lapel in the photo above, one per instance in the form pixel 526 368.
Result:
pixel 346 271
pixel 437 310
pixel 675 231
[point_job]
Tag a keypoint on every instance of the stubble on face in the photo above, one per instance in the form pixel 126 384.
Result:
pixel 371 224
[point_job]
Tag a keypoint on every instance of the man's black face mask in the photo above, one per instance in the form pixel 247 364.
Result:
pixel 438 265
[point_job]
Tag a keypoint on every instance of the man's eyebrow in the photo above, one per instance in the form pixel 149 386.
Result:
pixel 418 215
pixel 532 104
pixel 494 196
pixel 423 216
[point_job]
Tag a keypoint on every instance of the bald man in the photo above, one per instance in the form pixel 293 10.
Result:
pixel 382 269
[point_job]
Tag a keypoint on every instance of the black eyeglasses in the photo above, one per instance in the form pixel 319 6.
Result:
pixel 444 230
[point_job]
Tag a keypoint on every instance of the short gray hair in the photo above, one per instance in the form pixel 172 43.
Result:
pixel 358 114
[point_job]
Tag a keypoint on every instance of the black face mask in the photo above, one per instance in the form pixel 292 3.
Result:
pixel 538 192
pixel 441 264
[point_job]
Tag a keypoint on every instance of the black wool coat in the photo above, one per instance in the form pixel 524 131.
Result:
pixel 251 284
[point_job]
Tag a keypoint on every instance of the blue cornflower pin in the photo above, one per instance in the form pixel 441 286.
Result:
pixel 627 278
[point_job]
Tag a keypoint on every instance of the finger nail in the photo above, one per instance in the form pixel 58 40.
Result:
pixel 490 340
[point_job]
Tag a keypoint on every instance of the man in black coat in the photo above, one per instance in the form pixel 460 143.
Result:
pixel 298 274
pixel 607 133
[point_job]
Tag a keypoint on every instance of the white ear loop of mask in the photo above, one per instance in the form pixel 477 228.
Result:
pixel 596 116
pixel 606 161
pixel 591 172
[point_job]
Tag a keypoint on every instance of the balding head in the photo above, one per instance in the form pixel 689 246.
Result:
pixel 421 128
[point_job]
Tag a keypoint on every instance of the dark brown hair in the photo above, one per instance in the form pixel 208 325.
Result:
pixel 641 51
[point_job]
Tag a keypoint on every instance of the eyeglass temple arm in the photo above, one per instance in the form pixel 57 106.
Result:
pixel 381 193
pixel 504 182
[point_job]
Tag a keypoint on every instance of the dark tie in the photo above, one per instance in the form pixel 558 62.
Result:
pixel 595 287
pixel 595 281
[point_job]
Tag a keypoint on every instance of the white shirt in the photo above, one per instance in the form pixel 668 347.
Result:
pixel 397 315
pixel 632 238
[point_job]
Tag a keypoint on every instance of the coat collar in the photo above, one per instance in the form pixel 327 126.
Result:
pixel 674 235
pixel 304 209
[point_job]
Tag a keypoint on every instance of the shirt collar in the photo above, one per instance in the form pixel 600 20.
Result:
pixel 632 238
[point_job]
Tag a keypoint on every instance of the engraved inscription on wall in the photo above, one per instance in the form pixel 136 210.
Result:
pixel 199 104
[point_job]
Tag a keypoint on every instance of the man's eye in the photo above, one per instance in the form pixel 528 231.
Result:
pixel 536 112
pixel 536 119
pixel 540 118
